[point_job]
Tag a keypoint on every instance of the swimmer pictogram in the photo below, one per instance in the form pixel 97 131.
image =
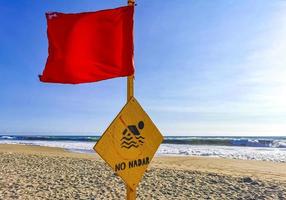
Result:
pixel 131 136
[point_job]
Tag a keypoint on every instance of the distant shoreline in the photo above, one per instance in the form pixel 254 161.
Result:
pixel 242 141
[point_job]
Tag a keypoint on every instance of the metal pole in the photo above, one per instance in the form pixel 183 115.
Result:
pixel 130 193
pixel 130 87
pixel 130 79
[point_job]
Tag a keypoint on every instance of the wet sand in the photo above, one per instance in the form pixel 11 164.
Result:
pixel 32 172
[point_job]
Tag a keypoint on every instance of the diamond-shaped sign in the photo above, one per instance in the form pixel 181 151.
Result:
pixel 129 143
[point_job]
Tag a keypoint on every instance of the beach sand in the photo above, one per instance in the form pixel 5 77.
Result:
pixel 33 172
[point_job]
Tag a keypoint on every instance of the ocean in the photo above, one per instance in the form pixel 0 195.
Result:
pixel 247 148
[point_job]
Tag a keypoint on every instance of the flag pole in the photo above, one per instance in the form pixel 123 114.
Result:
pixel 130 87
pixel 130 193
pixel 130 79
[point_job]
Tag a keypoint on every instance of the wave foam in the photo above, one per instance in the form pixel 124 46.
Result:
pixel 6 137
pixel 245 153
pixel 233 152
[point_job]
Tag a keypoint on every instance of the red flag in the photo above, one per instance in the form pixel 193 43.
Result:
pixel 89 47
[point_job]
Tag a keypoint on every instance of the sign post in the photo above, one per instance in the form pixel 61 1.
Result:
pixel 130 79
pixel 130 87
pixel 130 142
pixel 131 194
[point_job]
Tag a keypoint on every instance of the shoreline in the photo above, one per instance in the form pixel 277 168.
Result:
pixel 265 170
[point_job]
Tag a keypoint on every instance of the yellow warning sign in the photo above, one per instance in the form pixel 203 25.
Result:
pixel 129 143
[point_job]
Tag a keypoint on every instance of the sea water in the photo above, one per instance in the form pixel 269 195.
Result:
pixel 247 148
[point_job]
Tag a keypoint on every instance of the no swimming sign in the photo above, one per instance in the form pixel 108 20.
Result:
pixel 129 143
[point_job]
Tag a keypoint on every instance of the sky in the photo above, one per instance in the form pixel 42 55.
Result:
pixel 202 68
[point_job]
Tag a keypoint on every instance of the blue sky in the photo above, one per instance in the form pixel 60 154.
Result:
pixel 202 68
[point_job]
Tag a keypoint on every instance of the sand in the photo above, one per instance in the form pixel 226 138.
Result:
pixel 31 172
